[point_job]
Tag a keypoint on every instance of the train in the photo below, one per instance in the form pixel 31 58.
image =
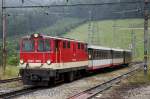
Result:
pixel 46 59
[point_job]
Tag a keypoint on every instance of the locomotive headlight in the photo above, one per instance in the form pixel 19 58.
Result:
pixel 21 61
pixel 48 62
pixel 36 35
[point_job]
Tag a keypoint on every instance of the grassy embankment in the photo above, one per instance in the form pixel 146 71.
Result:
pixel 139 79
pixel 107 35
pixel 11 71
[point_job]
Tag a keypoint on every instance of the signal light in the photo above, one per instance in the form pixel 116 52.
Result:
pixel 21 61
pixel 36 35
pixel 48 62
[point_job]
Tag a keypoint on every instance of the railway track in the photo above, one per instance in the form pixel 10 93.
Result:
pixel 18 92
pixel 10 80
pixel 83 95
pixel 89 93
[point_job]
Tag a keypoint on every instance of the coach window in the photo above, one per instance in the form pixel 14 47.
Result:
pixel 97 54
pixel 47 45
pixel 104 55
pixel 64 44
pixel 100 54
pixel 41 45
pixel 78 45
pixel 68 44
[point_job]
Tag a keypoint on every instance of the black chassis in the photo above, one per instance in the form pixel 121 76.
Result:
pixel 42 77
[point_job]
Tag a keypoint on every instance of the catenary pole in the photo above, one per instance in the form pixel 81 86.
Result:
pixel 145 36
pixel 4 37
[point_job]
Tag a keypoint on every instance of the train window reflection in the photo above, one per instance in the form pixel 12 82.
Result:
pixel 41 45
pixel 47 45
pixel 28 45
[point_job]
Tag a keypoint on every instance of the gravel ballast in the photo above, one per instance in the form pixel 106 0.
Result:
pixel 66 90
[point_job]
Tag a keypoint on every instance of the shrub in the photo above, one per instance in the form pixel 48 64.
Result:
pixel 13 61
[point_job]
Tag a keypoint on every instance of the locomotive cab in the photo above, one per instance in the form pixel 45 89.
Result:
pixel 44 58
pixel 35 51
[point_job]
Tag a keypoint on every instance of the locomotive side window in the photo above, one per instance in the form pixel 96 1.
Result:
pixel 68 44
pixel 47 45
pixel 64 44
pixel 56 45
pixel 28 45
pixel 78 45
pixel 41 45
pixel 82 46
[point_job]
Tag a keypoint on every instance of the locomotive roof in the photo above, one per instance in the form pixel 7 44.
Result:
pixel 60 38
pixel 63 38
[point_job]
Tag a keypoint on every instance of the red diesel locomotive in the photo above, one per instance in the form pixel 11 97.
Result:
pixel 46 59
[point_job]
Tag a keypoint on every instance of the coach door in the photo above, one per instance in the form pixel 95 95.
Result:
pixel 90 51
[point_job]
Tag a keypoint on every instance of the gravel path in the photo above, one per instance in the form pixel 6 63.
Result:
pixel 138 93
pixel 127 92
pixel 7 87
pixel 66 90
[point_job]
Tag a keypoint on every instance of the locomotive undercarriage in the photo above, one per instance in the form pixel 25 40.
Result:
pixel 48 77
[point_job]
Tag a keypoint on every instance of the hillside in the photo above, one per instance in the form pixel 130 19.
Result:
pixel 105 34
pixel 23 21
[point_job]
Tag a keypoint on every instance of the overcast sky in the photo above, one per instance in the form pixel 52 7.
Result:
pixel 29 2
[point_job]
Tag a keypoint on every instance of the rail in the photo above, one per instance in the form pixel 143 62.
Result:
pixel 83 95
pixel 17 92
pixel 89 93
pixel 10 80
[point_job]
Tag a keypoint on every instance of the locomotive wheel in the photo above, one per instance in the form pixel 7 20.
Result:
pixel 51 81
pixel 69 77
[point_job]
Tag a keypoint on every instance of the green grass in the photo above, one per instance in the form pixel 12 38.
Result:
pixel 139 78
pixel 11 71
pixel 105 34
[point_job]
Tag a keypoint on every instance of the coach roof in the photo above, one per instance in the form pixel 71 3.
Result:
pixel 106 48
pixel 98 47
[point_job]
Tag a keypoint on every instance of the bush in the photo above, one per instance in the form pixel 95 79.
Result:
pixel 13 61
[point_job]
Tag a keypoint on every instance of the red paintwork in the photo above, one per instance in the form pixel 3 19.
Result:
pixel 71 54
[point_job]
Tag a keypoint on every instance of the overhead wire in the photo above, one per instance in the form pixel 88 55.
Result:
pixel 73 5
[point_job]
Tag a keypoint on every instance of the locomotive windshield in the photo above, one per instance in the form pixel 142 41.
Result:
pixel 47 45
pixel 28 45
pixel 41 45
pixel 44 45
